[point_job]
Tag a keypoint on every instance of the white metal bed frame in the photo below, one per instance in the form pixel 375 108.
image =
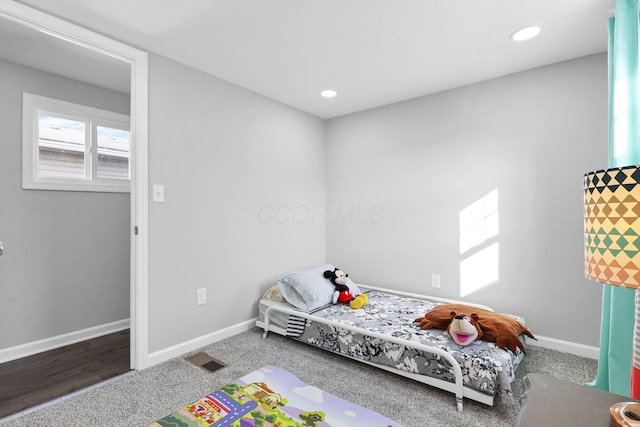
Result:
pixel 456 387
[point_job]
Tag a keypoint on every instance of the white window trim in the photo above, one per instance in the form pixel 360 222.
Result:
pixel 31 105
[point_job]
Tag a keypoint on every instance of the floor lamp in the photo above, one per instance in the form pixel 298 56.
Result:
pixel 612 241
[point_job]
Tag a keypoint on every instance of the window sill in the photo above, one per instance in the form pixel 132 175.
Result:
pixel 91 186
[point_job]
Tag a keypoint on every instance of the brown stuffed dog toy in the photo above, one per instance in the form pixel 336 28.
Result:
pixel 461 320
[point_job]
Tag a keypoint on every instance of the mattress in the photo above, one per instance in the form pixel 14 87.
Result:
pixel 276 318
pixel 485 367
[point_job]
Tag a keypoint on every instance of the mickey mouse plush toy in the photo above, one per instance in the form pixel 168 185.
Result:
pixel 343 294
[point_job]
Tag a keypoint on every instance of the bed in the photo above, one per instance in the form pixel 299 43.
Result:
pixel 272 396
pixel 384 334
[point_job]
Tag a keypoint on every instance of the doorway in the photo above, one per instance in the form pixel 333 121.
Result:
pixel 93 46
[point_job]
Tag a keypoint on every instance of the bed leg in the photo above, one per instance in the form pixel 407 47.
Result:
pixel 459 403
pixel 264 334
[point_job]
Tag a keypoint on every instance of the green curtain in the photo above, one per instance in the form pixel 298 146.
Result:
pixel 618 308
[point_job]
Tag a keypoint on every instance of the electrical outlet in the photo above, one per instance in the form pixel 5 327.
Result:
pixel 201 296
pixel 435 280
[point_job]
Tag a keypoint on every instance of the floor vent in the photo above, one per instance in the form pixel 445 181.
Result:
pixel 206 362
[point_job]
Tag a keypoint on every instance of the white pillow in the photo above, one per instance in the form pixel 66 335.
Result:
pixel 308 289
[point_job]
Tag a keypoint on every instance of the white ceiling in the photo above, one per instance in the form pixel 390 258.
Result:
pixel 25 46
pixel 373 52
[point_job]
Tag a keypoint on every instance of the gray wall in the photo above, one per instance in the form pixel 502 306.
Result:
pixel 229 160
pixel 245 181
pixel 398 176
pixel 66 261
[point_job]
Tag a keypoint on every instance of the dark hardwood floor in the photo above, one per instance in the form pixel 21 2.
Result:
pixel 33 380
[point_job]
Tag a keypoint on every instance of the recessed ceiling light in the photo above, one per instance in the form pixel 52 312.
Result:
pixel 328 93
pixel 525 33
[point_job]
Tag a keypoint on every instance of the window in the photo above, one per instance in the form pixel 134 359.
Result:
pixel 479 227
pixel 73 147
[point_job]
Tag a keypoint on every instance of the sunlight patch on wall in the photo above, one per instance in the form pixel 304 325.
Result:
pixel 479 270
pixel 479 226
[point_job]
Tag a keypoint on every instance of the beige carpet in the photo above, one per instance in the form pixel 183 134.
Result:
pixel 140 398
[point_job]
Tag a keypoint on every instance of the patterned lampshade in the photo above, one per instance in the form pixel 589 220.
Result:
pixel 612 226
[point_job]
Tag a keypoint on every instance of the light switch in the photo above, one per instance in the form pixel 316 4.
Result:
pixel 158 193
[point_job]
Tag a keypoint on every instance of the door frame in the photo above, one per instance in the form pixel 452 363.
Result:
pixel 139 63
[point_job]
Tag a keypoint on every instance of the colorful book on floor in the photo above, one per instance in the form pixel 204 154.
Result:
pixel 272 397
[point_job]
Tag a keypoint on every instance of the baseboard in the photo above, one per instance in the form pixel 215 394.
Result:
pixel 565 346
pixel 196 343
pixel 35 347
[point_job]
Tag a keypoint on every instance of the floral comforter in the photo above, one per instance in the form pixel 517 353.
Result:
pixel 485 367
